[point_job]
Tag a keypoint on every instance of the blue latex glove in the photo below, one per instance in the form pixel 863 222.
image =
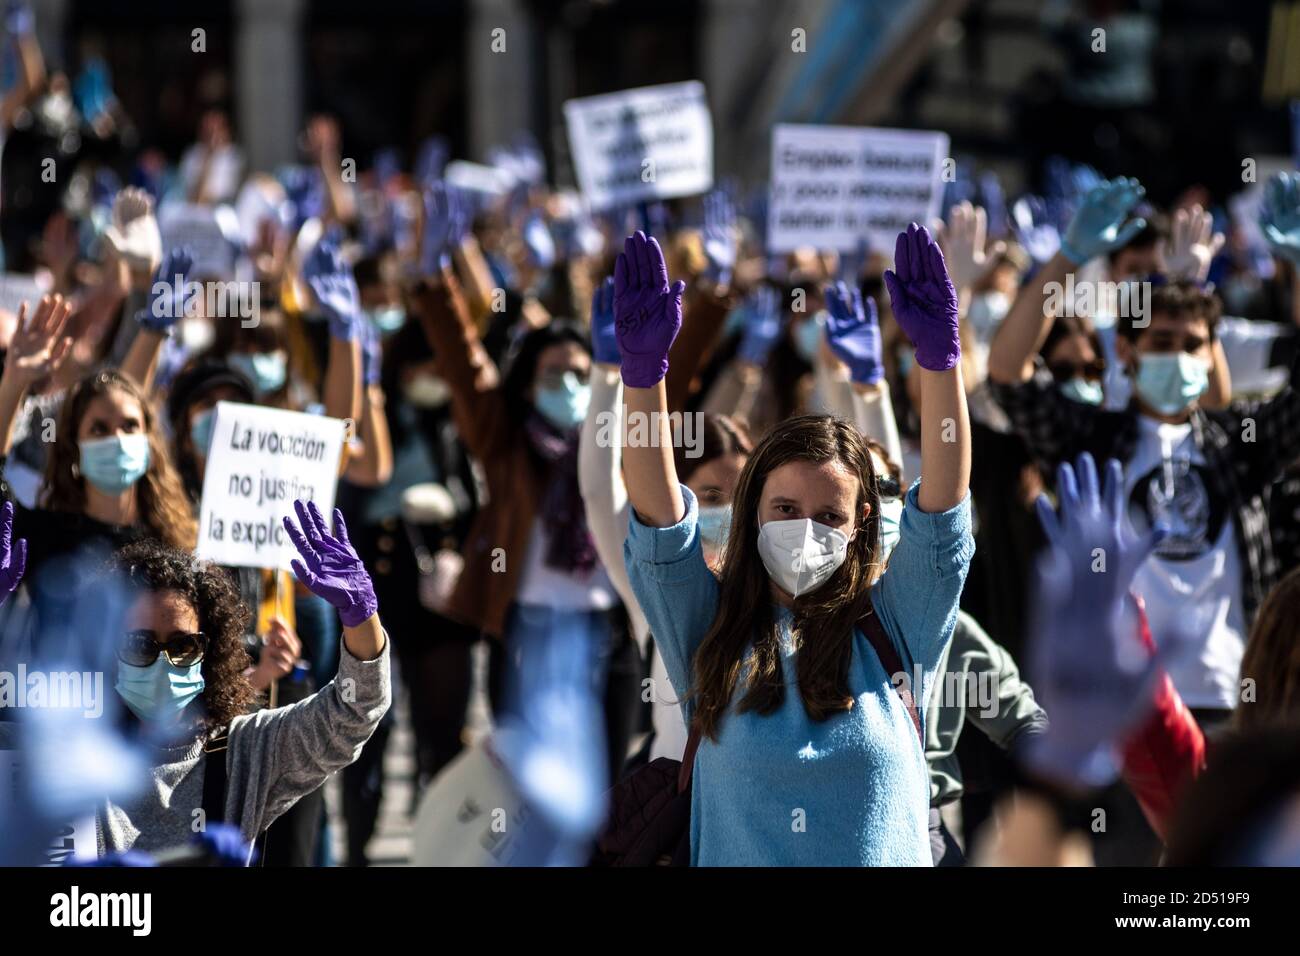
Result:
pixel 170 293
pixel 719 235
pixel 13 554
pixel 446 217
pixel 1099 225
pixel 853 332
pixel 225 844
pixel 762 325
pixel 1279 216
pixel 647 310
pixel 604 337
pixel 994 201
pixel 372 353
pixel 19 19
pixel 431 160
pixel 538 241
pixel 1034 229
pixel 330 567
pixel 335 289
pixel 924 300
pixel 1088 666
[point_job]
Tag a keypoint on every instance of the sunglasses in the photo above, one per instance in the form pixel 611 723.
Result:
pixel 554 378
pixel 887 486
pixel 141 648
pixel 1065 371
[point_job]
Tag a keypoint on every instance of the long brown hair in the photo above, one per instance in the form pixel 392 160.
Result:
pixel 1272 659
pixel 161 501
pixel 823 620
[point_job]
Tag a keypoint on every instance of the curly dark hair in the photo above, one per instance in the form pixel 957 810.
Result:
pixel 223 618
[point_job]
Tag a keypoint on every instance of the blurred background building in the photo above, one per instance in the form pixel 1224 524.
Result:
pixel 1182 91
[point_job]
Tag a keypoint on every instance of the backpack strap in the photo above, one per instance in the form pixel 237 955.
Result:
pixel 214 778
pixel 875 632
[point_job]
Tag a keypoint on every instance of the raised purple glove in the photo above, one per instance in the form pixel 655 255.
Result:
pixel 853 332
pixel 924 300
pixel 13 554
pixel 1087 663
pixel 170 293
pixel 647 311
pixel 335 289
pixel 762 325
pixel 446 218
pixel 604 338
pixel 330 567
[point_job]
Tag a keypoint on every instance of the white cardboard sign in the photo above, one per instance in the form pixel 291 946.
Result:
pixel 833 186
pixel 260 462
pixel 209 232
pixel 655 142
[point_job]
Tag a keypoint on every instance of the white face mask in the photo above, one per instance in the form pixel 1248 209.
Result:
pixel 801 555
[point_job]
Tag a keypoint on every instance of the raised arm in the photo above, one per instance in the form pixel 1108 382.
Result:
pixel 1099 226
pixel 374 466
pixel 336 292
pixel 853 336
pixel 37 349
pixel 647 317
pixel 925 306
pixel 168 298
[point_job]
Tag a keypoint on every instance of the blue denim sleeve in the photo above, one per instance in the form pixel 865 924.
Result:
pixel 917 596
pixel 674 587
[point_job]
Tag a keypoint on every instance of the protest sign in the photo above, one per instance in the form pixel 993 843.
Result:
pixel 209 232
pixel 834 186
pixel 261 460
pixel 17 288
pixel 655 142
pixel 477 178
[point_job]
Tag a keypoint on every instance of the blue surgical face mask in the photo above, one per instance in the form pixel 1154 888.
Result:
pixel 388 319
pixel 565 406
pixel 1082 390
pixel 160 692
pixel 1170 381
pixel 266 372
pixel 715 525
pixel 891 514
pixel 115 463
pixel 201 431
pixel 807 336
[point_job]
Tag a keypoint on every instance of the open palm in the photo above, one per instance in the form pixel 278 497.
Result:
pixel 38 346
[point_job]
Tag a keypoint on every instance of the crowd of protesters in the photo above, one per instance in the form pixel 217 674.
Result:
pixel 804 521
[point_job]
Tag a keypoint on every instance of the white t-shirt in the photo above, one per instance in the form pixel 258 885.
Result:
pixel 544 586
pixel 1192 583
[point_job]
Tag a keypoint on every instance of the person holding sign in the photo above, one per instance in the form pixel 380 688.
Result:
pixel 806 753
pixel 181 674
pixel 109 478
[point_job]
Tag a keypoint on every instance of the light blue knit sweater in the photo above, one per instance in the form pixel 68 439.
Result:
pixel 781 789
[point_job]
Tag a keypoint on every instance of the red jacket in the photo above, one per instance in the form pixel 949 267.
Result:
pixel 1166 752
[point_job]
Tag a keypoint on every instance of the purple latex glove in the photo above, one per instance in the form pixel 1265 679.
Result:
pixel 335 289
pixel 13 554
pixel 330 567
pixel 762 325
pixel 924 300
pixel 853 332
pixel 604 337
pixel 446 217
pixel 647 311
pixel 1088 665
pixel 171 292
pixel 719 235
pixel 19 19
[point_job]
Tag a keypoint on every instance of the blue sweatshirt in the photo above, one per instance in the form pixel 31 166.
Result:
pixel 782 789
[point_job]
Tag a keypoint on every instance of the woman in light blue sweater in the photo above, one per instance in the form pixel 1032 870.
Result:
pixel 807 754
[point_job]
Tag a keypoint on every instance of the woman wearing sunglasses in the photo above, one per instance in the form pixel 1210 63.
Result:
pixel 181 674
